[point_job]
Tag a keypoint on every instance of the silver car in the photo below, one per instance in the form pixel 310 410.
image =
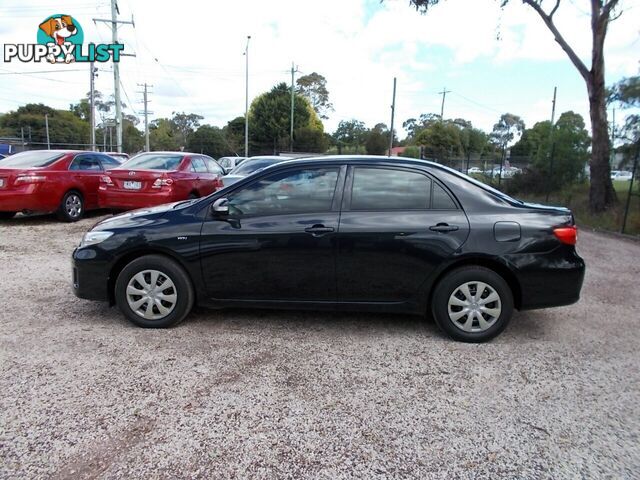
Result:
pixel 249 166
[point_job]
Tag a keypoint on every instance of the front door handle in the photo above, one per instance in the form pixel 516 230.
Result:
pixel 443 228
pixel 318 230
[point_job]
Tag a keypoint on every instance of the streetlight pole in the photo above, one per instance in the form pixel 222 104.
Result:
pixel 246 99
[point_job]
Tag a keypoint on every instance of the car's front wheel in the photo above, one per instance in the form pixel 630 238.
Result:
pixel 472 304
pixel 154 292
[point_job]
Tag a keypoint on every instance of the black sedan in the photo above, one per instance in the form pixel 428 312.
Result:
pixel 347 233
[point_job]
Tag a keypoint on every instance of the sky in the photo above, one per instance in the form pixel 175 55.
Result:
pixel 492 60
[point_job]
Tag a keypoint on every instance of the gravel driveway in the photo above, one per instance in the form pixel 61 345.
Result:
pixel 269 394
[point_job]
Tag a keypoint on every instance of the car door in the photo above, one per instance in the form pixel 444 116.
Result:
pixel 85 170
pixel 396 226
pixel 215 175
pixel 278 240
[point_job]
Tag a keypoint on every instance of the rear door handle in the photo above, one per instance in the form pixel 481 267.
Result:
pixel 318 230
pixel 443 228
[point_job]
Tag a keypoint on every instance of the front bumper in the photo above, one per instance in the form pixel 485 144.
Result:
pixel 90 274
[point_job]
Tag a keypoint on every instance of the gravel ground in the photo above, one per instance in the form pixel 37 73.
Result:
pixel 268 394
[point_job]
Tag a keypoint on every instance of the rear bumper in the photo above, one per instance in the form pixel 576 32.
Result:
pixel 26 199
pixel 550 280
pixel 90 277
pixel 132 200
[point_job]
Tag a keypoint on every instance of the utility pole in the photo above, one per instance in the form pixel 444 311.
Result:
pixel 146 113
pixel 294 69
pixel 92 72
pixel 46 126
pixel 393 110
pixel 22 135
pixel 246 99
pixel 551 144
pixel 115 11
pixel 444 95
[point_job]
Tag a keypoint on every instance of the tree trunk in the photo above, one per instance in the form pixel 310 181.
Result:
pixel 601 192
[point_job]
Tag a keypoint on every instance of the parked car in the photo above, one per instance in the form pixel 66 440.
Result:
pixel 475 171
pixel 251 165
pixel 348 233
pixel 229 163
pixel 621 175
pixel 45 181
pixel 120 157
pixel 155 178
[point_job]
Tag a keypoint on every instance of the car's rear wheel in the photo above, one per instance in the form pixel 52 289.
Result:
pixel 7 215
pixel 472 304
pixel 72 207
pixel 154 292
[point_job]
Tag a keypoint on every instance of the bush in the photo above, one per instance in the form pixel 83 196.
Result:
pixel 411 152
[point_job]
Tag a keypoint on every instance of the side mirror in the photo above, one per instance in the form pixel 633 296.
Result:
pixel 220 206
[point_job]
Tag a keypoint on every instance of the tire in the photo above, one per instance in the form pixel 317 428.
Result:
pixel 456 294
pixel 71 207
pixel 7 215
pixel 176 298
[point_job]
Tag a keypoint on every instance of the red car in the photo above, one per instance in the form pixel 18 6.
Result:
pixel 155 178
pixel 45 181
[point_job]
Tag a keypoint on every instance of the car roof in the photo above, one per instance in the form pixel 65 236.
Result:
pixel 366 159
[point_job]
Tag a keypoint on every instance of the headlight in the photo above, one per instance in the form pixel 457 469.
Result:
pixel 92 238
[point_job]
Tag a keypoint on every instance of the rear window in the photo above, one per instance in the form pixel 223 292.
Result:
pixel 36 158
pixel 154 161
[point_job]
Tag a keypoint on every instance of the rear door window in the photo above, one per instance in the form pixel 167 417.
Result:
pixel 389 189
pixel 86 162
pixel 198 165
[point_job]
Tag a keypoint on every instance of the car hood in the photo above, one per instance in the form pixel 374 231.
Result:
pixel 140 217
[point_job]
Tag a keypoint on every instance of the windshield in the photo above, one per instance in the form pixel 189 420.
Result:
pixel 250 166
pixel 36 158
pixel 154 161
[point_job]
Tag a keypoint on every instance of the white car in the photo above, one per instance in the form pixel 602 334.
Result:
pixel 621 175
pixel 475 170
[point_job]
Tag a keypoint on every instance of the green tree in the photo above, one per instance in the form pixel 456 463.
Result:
pixel 234 135
pixel 314 88
pixel 508 129
pixel 162 135
pixel 601 192
pixel 568 145
pixel 270 118
pixel 351 133
pixel 377 142
pixel 132 138
pixel 440 139
pixel 208 140
pixel 66 130
pixel 414 126
pixel 312 140
pixel 184 124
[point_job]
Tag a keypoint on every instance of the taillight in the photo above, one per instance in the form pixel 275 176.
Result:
pixel 162 182
pixel 106 179
pixel 30 179
pixel 567 235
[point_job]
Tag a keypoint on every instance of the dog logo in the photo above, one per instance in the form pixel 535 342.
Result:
pixel 63 31
pixel 60 40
